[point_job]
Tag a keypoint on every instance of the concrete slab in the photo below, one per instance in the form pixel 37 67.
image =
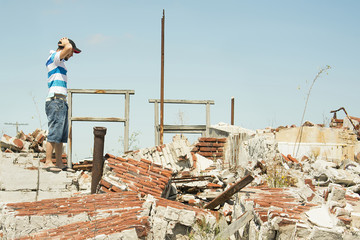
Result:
pixel 23 179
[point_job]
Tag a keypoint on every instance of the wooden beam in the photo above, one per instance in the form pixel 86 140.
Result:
pixel 98 119
pixel 183 101
pixel 101 91
pixel 231 191
pixel 235 225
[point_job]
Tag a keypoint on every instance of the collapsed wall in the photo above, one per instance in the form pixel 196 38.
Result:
pixel 121 215
pixel 332 144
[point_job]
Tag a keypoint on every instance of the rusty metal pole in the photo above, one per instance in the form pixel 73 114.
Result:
pixel 162 80
pixel 98 157
pixel 232 110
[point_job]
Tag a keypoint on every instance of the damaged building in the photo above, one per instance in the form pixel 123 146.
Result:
pixel 285 183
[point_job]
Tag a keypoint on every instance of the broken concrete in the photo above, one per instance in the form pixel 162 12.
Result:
pixel 23 179
pixel 311 195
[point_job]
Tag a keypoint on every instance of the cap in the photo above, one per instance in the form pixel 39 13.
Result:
pixel 75 49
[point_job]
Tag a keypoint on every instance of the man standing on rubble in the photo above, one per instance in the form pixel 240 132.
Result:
pixel 56 106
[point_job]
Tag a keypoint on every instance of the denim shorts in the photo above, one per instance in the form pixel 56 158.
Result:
pixel 57 115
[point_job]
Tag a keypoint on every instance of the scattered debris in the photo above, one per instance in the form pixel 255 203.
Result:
pixel 30 143
pixel 262 184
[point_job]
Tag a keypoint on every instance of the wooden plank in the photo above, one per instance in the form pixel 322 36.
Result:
pixel 235 225
pixel 184 127
pixel 180 101
pixel 101 91
pixel 98 119
pixel 231 191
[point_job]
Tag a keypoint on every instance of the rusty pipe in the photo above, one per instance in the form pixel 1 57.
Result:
pixel 98 157
pixel 232 110
pixel 162 78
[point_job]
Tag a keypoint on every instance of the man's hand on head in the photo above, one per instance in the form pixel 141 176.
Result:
pixel 63 42
pixel 67 49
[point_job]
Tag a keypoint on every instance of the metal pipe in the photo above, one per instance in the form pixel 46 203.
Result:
pixel 126 129
pixel 232 110
pixel 162 80
pixel 98 157
pixel 69 149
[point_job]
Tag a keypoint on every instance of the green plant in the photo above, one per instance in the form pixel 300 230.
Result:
pixel 203 230
pixel 277 177
pixel 315 153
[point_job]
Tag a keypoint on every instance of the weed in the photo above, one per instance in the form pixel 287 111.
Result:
pixel 277 177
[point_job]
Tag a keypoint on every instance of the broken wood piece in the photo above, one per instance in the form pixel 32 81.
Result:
pixel 235 225
pixel 231 191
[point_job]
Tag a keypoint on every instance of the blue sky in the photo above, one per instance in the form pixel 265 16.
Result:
pixel 264 53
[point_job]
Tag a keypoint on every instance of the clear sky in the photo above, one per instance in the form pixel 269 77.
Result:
pixel 263 53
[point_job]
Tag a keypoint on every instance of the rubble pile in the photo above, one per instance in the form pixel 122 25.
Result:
pixel 175 155
pixel 280 200
pixel 29 143
pixel 233 184
pixel 210 147
pixel 121 215
pixel 139 176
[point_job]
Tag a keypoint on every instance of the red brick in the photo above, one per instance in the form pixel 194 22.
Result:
pixel 146 161
pixel 222 140
pixel 19 143
pixel 213 185
pixel 133 161
pixel 211 154
pixel 292 159
pixel 208 149
pixel 195 149
pixel 204 144
pixel 345 220
pixel 121 159
pixel 144 165
pixel 207 139
pixel 105 184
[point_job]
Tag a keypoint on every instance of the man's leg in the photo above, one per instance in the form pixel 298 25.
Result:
pixel 49 152
pixel 58 155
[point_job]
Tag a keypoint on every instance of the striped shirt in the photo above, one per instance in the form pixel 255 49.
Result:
pixel 57 79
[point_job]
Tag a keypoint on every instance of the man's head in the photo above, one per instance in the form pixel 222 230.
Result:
pixel 61 46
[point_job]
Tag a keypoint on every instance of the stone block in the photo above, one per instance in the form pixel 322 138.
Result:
pixel 319 233
pixel 187 217
pixel 172 214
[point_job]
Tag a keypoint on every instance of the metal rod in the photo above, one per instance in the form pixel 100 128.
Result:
pixel 156 125
pixel 126 129
pixel 183 101
pixel 162 79
pixel 98 157
pixel 232 110
pixel 69 145
pixel 207 119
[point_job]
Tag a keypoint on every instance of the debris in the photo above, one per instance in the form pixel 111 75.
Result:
pixel 231 191
pixel 235 225
pixel 24 143
pixel 253 182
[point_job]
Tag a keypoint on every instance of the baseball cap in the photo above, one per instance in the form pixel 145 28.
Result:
pixel 75 49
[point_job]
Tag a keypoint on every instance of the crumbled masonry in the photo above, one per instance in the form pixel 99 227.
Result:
pixel 233 184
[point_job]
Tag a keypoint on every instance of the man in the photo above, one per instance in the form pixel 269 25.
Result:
pixel 56 106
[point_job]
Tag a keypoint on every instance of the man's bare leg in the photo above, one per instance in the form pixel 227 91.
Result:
pixel 49 152
pixel 58 155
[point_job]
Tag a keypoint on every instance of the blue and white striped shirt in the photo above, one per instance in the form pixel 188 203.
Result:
pixel 57 78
